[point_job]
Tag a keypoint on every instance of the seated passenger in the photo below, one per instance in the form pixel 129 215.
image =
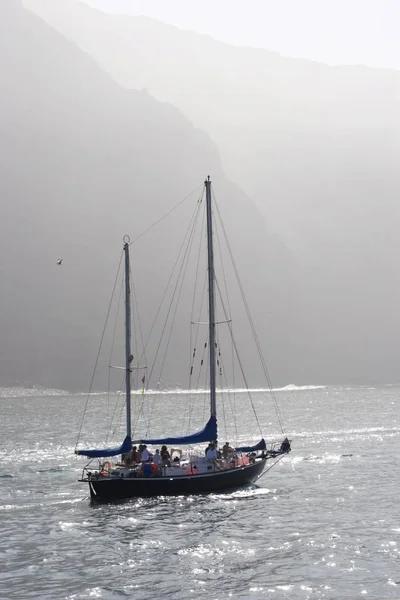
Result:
pixel 226 450
pixel 252 457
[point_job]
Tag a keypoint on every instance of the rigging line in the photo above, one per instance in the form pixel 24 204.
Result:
pixel 140 406
pixel 223 376
pixel 143 355
pixel 239 361
pixel 135 427
pixel 133 313
pixel 258 345
pixel 137 326
pixel 108 424
pixel 234 388
pixel 196 340
pixel 192 348
pixel 118 422
pixel 205 397
pixel 179 283
pixel 230 313
pixel 119 395
pixel 167 213
pixel 198 261
pixel 190 231
pixel 116 321
pixel 160 306
pixel 273 465
pixel 233 408
pixel 222 265
pixel 162 302
pixel 107 420
pixel 223 408
pixel 192 399
pixel 98 351
pixel 170 278
pixel 217 362
pixel 221 387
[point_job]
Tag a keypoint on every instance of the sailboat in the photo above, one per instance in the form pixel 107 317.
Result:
pixel 195 472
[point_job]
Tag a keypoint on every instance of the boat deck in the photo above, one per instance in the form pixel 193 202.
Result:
pixel 189 467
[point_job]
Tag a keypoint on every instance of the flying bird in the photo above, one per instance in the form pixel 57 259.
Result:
pixel 59 262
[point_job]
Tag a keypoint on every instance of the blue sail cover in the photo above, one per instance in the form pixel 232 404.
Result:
pixel 260 446
pixel 126 446
pixel 208 434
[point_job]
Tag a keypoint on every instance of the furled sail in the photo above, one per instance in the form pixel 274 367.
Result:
pixel 125 447
pixel 260 446
pixel 208 434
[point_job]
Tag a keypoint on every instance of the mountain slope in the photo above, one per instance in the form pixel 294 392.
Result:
pixel 315 146
pixel 82 163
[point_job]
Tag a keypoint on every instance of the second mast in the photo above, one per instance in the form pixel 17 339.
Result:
pixel 211 298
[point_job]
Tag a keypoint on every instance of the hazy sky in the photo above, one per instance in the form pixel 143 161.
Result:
pixel 330 31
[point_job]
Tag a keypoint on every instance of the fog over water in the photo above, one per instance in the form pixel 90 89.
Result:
pixel 105 128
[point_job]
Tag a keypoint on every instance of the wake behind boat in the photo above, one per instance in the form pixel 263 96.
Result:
pixel 157 466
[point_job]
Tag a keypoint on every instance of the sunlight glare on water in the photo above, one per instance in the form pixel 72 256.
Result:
pixel 324 523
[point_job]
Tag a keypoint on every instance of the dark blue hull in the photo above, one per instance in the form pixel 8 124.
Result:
pixel 110 488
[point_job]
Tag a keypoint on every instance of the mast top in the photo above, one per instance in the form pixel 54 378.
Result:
pixel 126 239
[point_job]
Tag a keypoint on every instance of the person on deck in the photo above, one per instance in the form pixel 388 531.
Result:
pixel 157 460
pixel 285 446
pixel 145 457
pixel 211 453
pixel 165 457
pixel 135 458
pixel 141 446
pixel 226 450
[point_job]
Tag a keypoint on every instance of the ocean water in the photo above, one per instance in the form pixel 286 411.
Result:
pixel 324 523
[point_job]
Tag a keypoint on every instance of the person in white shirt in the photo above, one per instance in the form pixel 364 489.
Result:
pixel 157 460
pixel 145 454
pixel 211 453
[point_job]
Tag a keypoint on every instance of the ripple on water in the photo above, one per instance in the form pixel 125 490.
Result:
pixel 323 524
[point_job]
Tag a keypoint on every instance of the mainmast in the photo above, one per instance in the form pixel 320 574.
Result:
pixel 128 355
pixel 211 298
